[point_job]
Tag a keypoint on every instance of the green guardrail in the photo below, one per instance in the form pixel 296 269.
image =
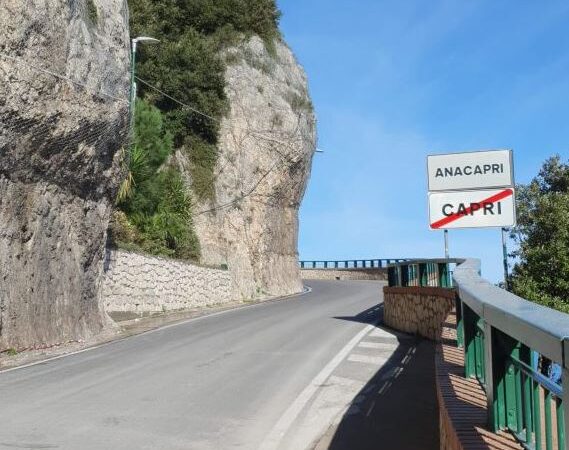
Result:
pixel 434 273
pixel 501 335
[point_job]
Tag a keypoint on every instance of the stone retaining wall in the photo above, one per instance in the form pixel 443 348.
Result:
pixel 344 274
pixel 417 310
pixel 140 283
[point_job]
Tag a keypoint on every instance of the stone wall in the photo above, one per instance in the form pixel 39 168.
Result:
pixel 417 310
pixel 344 274
pixel 141 283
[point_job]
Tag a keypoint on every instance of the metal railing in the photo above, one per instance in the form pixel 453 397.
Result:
pixel 348 264
pixel 421 272
pixel 502 334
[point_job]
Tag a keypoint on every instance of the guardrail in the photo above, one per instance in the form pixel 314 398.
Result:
pixel 502 334
pixel 421 272
pixel 349 264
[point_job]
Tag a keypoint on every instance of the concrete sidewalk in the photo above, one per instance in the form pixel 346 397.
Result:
pixel 398 415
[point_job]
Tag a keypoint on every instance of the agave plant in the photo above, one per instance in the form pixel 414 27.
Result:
pixel 137 171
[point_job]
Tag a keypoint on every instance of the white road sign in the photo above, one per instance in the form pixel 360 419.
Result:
pixel 472 209
pixel 470 170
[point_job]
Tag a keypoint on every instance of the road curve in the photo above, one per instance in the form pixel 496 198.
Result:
pixel 216 382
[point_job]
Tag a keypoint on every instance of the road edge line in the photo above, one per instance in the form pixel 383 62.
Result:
pixel 279 430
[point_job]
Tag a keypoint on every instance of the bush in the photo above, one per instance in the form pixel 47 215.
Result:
pixel 187 64
pixel 154 207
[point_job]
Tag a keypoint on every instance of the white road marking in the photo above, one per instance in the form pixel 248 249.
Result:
pixel 276 434
pixel 376 360
pixel 385 387
pixel 366 344
pixel 379 332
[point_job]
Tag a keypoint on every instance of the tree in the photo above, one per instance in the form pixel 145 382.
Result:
pixel 154 205
pixel 541 273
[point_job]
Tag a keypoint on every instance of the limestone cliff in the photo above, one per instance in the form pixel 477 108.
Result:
pixel 265 149
pixel 63 120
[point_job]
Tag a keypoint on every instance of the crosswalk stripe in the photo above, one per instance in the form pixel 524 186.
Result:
pixel 367 344
pixel 378 332
pixel 377 360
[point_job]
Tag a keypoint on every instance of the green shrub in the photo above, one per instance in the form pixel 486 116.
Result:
pixel 189 66
pixel 154 207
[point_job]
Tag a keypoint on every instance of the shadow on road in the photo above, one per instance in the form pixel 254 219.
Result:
pixel 369 316
pixel 397 409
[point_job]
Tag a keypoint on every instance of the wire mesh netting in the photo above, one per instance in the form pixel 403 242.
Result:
pixel 63 90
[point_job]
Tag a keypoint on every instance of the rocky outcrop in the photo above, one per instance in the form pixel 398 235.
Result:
pixel 266 146
pixel 64 118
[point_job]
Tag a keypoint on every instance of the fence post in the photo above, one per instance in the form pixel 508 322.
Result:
pixel 489 376
pixel 565 401
pixel 459 323
pixel 469 318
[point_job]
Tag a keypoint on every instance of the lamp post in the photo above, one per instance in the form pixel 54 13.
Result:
pixel 134 43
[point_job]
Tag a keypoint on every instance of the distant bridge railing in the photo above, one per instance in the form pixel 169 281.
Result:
pixel 349 264
pixel 502 335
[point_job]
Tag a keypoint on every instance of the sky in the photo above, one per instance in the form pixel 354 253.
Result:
pixel 393 81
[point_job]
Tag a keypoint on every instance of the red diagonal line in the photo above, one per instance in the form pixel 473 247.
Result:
pixel 493 199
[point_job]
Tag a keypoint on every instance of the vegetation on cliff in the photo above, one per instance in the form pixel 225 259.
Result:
pixel 154 208
pixel 541 273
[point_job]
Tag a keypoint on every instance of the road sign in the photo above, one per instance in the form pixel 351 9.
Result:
pixel 472 209
pixel 470 170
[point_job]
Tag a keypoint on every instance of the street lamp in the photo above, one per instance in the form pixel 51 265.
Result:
pixel 134 43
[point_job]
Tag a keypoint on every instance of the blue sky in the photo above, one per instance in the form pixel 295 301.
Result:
pixel 393 81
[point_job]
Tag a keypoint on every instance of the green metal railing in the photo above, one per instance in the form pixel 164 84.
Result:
pixel 433 272
pixel 499 333
pixel 349 264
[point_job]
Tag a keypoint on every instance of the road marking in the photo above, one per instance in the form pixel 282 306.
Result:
pixel 370 408
pixel 385 387
pixel 378 332
pixel 376 360
pixel 343 381
pixel 367 344
pixel 276 434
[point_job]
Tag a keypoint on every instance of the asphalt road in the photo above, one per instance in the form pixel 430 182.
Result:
pixel 219 381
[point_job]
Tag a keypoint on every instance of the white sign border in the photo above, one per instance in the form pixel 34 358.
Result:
pixel 512 173
pixel 474 190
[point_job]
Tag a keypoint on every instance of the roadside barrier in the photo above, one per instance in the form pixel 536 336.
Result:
pixel 502 336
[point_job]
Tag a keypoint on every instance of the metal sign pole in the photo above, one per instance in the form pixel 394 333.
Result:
pixel 505 258
pixel 446 244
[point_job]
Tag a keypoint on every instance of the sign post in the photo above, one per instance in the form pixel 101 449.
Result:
pixel 472 190
pixel 505 259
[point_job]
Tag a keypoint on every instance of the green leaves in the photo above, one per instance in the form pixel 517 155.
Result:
pixel 155 207
pixel 154 201
pixel 542 271
pixel 187 65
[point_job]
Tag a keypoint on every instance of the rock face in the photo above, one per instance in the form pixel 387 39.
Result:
pixel 265 153
pixel 64 118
